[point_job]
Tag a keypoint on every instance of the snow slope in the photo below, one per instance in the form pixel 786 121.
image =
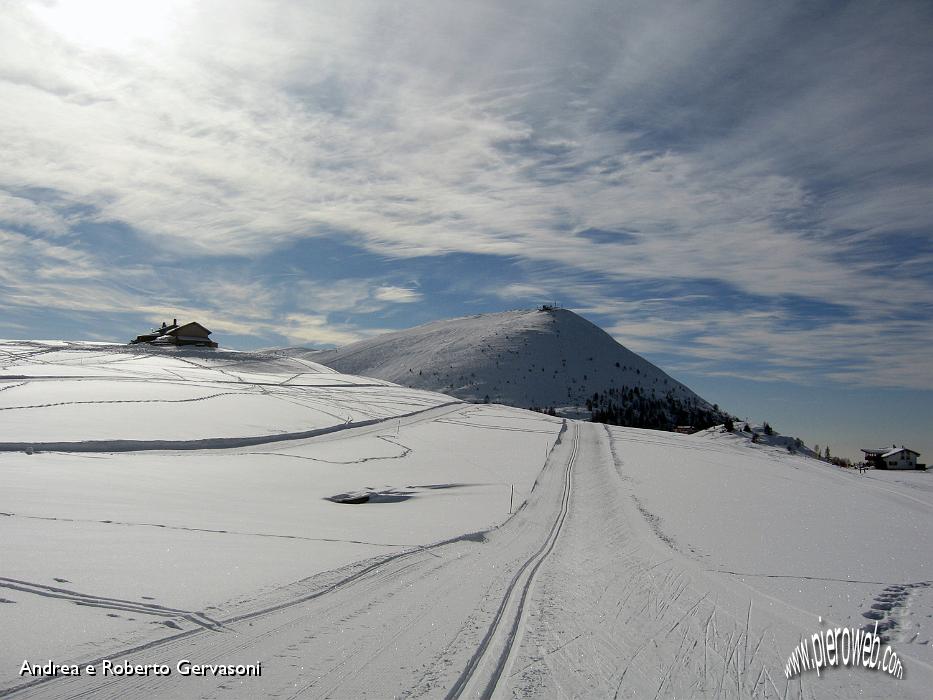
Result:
pixel 634 563
pixel 521 358
pixel 55 392
pixel 108 541
pixel 757 437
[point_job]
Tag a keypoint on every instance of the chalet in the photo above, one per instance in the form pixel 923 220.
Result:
pixel 893 457
pixel 192 333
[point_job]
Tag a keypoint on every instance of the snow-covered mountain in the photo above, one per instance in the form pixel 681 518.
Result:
pixel 530 359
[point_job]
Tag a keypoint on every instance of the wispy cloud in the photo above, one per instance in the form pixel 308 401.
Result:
pixel 780 156
pixel 399 295
pixel 42 276
pixel 27 213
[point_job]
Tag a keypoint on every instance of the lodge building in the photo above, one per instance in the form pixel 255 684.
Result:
pixel 192 333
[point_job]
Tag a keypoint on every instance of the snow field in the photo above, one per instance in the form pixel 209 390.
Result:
pixel 212 531
pixel 635 564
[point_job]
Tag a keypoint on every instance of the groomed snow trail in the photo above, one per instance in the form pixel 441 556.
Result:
pixel 617 613
pixel 495 654
pixel 403 625
pixel 580 594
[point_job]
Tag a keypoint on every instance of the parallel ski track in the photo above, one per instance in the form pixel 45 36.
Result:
pixel 516 589
pixel 373 566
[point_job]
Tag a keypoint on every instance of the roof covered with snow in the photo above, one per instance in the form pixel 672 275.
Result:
pixel 887 451
pixel 898 450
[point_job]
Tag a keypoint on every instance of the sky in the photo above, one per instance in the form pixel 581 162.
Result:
pixel 741 192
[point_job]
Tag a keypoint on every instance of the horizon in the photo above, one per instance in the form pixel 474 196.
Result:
pixel 739 195
pixel 867 435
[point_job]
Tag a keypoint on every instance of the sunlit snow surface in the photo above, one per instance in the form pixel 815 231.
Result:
pixel 81 392
pixel 520 358
pixel 166 504
pixel 203 529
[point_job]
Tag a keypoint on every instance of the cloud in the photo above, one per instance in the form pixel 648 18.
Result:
pixel 317 330
pixel 45 276
pixel 39 258
pixel 24 212
pixel 522 291
pixel 774 154
pixel 397 295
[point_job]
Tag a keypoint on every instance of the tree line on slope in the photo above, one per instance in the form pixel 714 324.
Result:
pixel 631 407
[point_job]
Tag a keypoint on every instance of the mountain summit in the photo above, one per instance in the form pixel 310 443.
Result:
pixel 543 358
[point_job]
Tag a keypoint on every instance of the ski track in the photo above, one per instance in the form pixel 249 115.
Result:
pixel 109 401
pixel 236 533
pixel 315 616
pixel 502 613
pixel 405 451
pixel 196 618
pixel 491 427
pixel 494 655
pixel 638 624
pixel 493 616
pixel 215 443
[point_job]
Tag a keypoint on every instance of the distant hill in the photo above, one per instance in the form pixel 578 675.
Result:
pixel 542 359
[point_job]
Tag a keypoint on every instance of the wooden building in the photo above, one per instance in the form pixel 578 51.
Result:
pixel 892 458
pixel 192 333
